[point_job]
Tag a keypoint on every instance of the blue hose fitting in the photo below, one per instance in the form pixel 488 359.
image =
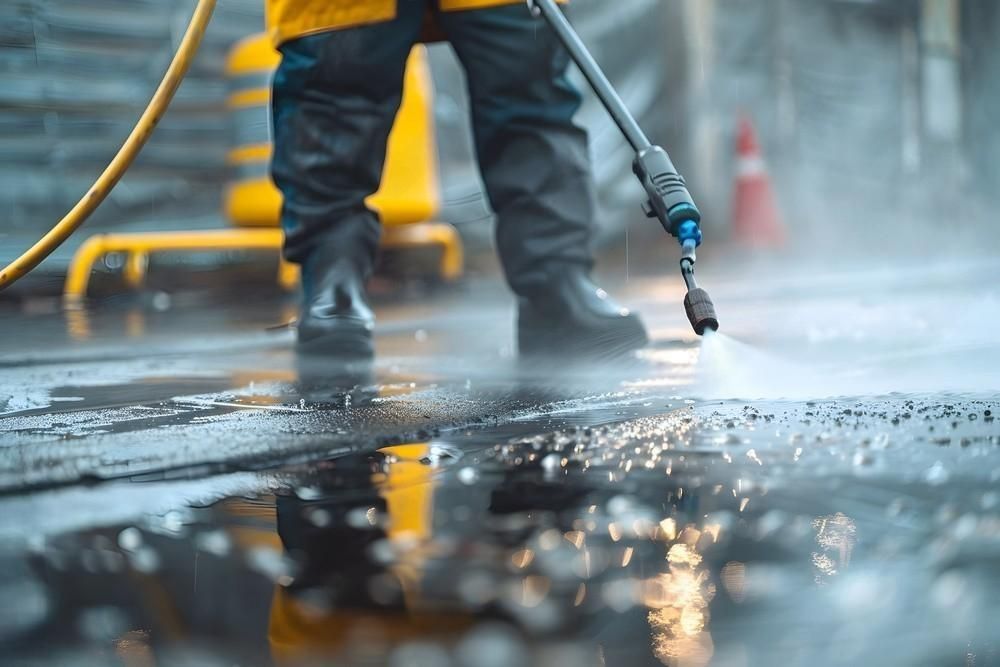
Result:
pixel 689 231
pixel 684 222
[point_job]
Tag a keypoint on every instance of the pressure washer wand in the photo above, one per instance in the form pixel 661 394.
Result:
pixel 669 200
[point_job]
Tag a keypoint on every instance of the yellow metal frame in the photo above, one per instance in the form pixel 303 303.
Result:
pixel 406 202
pixel 137 247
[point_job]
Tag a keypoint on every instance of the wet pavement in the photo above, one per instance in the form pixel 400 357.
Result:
pixel 820 486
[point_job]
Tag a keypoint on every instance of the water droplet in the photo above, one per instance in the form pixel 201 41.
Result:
pixel 272 564
pixel 130 539
pixel 989 500
pixel 26 604
pixel 363 518
pixel 173 521
pixel 620 595
pixel 144 560
pixel 862 459
pixel 492 645
pixel 468 476
pixel 937 474
pixel 419 654
pixel 308 493
pixel 948 590
pixel 319 517
pixel 101 624
pixel 215 542
pixel 552 463
pixel 477 588
pixel 161 301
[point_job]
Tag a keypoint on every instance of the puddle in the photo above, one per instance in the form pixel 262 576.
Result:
pixel 721 533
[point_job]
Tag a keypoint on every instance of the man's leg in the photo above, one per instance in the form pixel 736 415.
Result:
pixel 335 98
pixel 535 164
pixel 533 158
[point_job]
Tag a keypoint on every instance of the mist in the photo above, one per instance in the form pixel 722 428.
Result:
pixel 875 120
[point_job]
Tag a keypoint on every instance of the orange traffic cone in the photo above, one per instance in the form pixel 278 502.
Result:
pixel 756 220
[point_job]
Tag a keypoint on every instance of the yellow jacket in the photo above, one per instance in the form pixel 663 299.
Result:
pixel 288 19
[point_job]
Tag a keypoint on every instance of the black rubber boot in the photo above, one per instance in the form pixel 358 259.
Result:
pixel 336 321
pixel 572 317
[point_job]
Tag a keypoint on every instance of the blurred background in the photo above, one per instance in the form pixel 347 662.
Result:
pixel 876 119
pixel 853 140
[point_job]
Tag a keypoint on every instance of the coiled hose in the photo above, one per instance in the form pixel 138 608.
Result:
pixel 126 155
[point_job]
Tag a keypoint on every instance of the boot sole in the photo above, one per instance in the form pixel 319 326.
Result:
pixel 347 344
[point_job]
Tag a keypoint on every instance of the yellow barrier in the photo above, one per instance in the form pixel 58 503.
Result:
pixel 139 246
pixel 407 201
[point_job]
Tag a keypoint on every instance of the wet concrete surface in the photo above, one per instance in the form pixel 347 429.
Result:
pixel 821 486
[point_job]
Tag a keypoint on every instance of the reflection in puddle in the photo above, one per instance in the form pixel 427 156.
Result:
pixel 836 536
pixel 679 601
pixel 683 539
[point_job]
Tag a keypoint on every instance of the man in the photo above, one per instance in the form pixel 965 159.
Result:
pixel 335 97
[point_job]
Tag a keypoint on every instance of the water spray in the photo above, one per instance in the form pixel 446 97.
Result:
pixel 669 200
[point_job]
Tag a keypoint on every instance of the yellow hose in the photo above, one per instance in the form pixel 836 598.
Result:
pixel 126 155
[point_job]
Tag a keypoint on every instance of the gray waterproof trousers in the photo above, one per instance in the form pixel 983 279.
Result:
pixel 336 95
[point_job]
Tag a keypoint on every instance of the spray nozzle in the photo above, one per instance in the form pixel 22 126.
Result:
pixel 697 304
pixel 701 311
